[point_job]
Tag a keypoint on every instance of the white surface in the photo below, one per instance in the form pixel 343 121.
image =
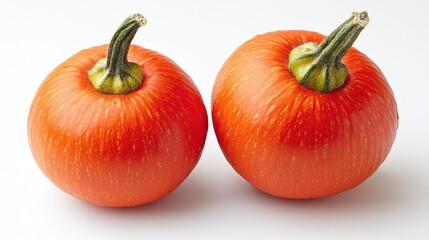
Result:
pixel 214 202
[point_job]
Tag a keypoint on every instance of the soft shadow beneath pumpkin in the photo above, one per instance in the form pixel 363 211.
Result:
pixel 383 191
pixel 192 195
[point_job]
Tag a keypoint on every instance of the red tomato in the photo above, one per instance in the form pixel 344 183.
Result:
pixel 116 149
pixel 308 139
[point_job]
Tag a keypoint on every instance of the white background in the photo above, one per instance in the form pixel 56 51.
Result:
pixel 214 202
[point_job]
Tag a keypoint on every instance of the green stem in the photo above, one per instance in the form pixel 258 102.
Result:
pixel 319 67
pixel 115 74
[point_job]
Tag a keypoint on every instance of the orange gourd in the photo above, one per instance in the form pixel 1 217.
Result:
pixel 300 115
pixel 117 125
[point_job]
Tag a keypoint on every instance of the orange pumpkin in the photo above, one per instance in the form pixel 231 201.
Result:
pixel 300 115
pixel 117 125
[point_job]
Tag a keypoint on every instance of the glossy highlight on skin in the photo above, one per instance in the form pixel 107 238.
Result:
pixel 117 150
pixel 294 142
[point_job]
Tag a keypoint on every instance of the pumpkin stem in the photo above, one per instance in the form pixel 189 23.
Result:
pixel 319 67
pixel 115 74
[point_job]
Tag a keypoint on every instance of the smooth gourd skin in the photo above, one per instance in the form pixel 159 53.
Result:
pixel 294 142
pixel 117 150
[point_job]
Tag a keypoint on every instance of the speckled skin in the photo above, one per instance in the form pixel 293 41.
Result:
pixel 117 150
pixel 294 142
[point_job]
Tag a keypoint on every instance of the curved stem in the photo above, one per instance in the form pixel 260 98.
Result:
pixel 121 41
pixel 336 45
pixel 115 74
pixel 319 67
